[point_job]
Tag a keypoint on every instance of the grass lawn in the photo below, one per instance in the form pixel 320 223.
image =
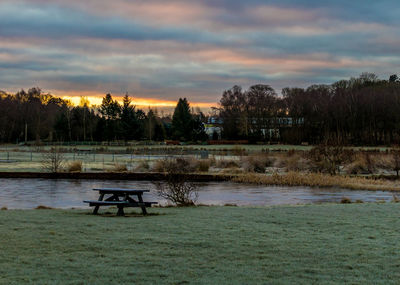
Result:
pixel 331 243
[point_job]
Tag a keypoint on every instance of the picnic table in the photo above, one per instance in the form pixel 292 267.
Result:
pixel 121 198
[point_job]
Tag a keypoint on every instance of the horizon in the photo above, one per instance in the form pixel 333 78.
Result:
pixel 158 52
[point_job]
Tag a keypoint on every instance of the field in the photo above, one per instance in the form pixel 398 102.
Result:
pixel 99 158
pixel 330 243
pixel 107 158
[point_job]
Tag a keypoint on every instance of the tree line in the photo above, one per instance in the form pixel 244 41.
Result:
pixel 359 111
pixel 36 116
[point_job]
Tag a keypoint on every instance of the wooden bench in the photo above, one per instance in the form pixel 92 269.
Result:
pixel 120 198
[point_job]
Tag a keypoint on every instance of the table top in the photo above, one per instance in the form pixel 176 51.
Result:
pixel 118 190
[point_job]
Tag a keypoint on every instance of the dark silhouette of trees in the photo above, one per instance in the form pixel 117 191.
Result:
pixel 363 110
pixel 131 126
pixel 185 125
pixel 360 111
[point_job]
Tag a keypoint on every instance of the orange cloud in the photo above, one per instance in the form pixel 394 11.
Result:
pixel 96 99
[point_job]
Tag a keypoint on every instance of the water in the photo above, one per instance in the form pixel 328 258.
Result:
pixel 29 193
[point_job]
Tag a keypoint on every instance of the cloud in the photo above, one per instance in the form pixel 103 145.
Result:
pixel 191 48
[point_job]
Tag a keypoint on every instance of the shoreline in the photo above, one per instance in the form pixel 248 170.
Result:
pixel 154 176
pixel 294 179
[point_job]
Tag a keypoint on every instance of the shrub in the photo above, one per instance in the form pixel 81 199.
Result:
pixel 177 188
pixel 75 166
pixel 53 160
pixel 238 150
pixel 41 207
pixel 120 167
pixel 204 165
pixel 345 200
pixel 143 166
pixel 396 161
pixel 363 163
pixel 256 163
pixel 222 163
pixel 175 165
pixel 296 162
pixel 328 156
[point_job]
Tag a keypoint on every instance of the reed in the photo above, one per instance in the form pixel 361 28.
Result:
pixel 75 166
pixel 318 180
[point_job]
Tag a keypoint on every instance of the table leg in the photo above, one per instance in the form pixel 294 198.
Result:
pixel 96 209
pixel 120 211
pixel 144 212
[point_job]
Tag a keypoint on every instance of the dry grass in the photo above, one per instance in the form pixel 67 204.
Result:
pixel 142 166
pixel 239 151
pixel 42 207
pixel 186 165
pixel 363 163
pixel 224 163
pixel 75 166
pixel 256 163
pixel 345 200
pixel 319 180
pixel 204 165
pixel 120 167
pixel 232 171
pixel 366 163
pixel 293 161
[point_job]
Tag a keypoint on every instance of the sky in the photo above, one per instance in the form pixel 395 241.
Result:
pixel 159 51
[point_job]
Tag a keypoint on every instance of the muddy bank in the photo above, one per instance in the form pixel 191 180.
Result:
pixel 151 176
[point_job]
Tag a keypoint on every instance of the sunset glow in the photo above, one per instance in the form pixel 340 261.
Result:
pixel 138 102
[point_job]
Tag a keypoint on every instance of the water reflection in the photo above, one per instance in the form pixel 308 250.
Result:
pixel 29 193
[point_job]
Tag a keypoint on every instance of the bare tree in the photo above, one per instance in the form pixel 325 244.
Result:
pixel 177 188
pixel 329 155
pixel 396 161
pixel 53 160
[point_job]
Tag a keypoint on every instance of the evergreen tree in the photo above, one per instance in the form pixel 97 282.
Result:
pixel 109 108
pixel 130 126
pixel 111 111
pixel 182 121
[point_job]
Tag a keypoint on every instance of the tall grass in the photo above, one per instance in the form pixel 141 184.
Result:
pixel 75 166
pixel 318 180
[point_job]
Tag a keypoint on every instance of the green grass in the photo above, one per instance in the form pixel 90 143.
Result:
pixel 314 244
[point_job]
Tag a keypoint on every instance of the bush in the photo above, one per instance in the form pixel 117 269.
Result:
pixel 345 200
pixel 143 166
pixel 222 163
pixel 175 165
pixel 363 163
pixel 256 163
pixel 296 162
pixel 53 160
pixel 238 150
pixel 328 157
pixel 120 167
pixel 177 188
pixel 204 165
pixel 396 161
pixel 75 166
